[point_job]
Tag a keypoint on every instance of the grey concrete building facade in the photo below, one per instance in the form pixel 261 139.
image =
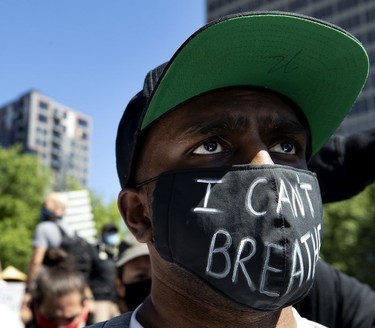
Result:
pixel 57 134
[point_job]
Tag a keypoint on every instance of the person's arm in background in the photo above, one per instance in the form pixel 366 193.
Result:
pixel 35 264
pixel 33 270
pixel 40 245
pixel 39 249
pixel 345 165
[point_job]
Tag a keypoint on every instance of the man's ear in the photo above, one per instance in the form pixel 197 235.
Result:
pixel 133 207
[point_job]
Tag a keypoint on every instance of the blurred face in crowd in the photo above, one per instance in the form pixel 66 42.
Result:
pixel 136 270
pixel 65 311
pixel 134 282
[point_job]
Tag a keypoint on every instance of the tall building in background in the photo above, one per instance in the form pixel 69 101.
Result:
pixel 355 16
pixel 57 134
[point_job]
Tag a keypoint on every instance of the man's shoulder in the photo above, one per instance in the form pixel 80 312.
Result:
pixel 121 321
pixel 45 229
pixel 46 225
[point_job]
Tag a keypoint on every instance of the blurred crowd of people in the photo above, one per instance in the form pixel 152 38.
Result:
pixel 58 294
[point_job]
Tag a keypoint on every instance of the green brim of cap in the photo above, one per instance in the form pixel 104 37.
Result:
pixel 317 65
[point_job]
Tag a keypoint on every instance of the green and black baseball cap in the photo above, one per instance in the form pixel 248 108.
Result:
pixel 319 66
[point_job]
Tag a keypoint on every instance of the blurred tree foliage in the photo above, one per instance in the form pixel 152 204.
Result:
pixel 104 213
pixel 349 235
pixel 23 185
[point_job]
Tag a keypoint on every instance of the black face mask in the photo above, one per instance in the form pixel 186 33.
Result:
pixel 136 293
pixel 46 214
pixel 252 233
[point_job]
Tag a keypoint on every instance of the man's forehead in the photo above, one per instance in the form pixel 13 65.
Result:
pixel 231 103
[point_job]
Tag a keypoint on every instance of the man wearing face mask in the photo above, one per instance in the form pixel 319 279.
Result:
pixel 133 280
pixel 103 274
pixel 212 159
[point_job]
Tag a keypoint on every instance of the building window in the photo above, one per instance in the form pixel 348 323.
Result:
pixel 42 118
pixel 360 106
pixel 43 105
pixel 82 122
pixel 370 15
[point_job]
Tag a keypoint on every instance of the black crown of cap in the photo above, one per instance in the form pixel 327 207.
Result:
pixel 129 129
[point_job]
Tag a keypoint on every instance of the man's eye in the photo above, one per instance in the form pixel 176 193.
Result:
pixel 285 147
pixel 209 147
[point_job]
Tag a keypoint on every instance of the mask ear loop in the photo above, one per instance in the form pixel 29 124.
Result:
pixel 141 184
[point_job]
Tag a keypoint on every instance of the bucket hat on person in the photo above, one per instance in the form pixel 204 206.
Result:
pixel 133 250
pixel 317 65
pixel 11 273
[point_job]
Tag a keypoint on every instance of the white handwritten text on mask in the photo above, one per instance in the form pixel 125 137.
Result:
pixel 308 245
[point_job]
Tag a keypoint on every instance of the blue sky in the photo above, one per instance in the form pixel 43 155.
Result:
pixel 91 56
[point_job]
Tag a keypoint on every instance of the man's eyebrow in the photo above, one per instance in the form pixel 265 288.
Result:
pixel 241 124
pixel 285 126
pixel 218 126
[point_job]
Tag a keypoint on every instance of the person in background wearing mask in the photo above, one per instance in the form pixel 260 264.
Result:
pixel 133 281
pixel 59 297
pixel 103 274
pixel 46 235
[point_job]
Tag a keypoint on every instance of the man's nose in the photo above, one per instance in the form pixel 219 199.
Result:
pixel 262 157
